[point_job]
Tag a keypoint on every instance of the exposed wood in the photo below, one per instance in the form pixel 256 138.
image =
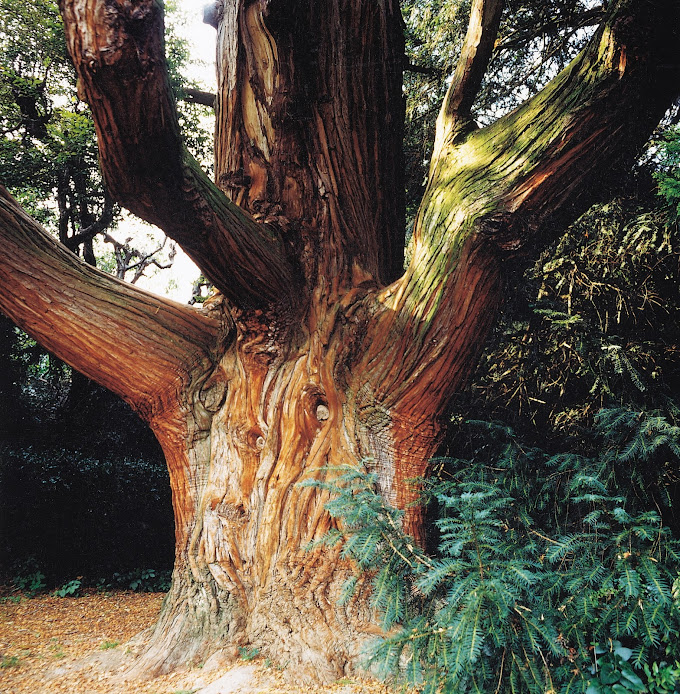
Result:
pixel 309 128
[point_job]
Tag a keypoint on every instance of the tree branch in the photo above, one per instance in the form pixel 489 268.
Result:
pixel 485 17
pixel 128 340
pixel 512 187
pixel 96 227
pixel 517 39
pixel 124 255
pixel 117 50
pixel 196 96
pixel 541 165
pixel 423 70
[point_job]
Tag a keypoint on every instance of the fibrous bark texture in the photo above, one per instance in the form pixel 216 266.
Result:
pixel 320 349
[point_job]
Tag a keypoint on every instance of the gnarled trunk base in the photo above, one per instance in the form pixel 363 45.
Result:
pixel 296 623
pixel 196 620
pixel 239 441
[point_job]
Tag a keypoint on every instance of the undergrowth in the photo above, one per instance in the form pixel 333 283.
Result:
pixel 29 581
pixel 554 573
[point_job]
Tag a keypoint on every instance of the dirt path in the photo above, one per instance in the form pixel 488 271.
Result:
pixel 51 645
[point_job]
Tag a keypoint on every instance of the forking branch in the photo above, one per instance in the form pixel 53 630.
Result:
pixel 118 51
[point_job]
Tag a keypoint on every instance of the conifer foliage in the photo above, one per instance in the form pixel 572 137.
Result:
pixel 554 573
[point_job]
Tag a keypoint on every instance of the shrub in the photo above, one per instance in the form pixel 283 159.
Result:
pixel 69 589
pixel 28 578
pixel 79 515
pixel 553 572
pixel 143 580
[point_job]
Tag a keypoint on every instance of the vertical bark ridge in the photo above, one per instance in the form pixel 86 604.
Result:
pixel 309 126
pixel 274 413
pixel 413 363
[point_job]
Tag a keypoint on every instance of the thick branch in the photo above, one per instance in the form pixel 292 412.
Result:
pixel 482 31
pixel 581 134
pixel 512 187
pixel 117 49
pixel 134 343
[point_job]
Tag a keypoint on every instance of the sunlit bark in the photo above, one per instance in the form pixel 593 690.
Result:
pixel 498 194
pixel 485 18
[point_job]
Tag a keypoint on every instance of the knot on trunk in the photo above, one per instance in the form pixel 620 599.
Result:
pixel 506 230
pixel 315 407
pixel 213 393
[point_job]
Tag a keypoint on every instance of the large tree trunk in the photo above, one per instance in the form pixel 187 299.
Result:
pixel 269 416
pixel 319 352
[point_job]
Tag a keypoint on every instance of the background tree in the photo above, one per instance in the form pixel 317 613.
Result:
pixel 321 349
pixel 49 149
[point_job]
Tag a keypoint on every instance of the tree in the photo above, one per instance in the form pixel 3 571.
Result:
pixel 320 350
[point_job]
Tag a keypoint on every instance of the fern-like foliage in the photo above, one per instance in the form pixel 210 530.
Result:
pixel 372 538
pixel 539 558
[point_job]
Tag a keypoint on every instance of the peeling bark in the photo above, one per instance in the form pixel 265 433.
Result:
pixel 269 415
pixel 309 128
pixel 118 52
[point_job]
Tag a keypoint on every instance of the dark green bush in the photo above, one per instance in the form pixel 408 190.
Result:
pixel 549 569
pixel 72 514
pixel 140 581
pixel 594 323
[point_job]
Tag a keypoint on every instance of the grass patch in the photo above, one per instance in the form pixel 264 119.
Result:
pixel 248 653
pixel 9 661
pixel 106 645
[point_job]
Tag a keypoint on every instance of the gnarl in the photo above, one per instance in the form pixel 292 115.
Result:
pixel 272 413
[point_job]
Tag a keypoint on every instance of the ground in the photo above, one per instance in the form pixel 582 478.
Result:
pixel 50 645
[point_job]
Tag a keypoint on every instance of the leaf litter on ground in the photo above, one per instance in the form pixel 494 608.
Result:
pixel 50 645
